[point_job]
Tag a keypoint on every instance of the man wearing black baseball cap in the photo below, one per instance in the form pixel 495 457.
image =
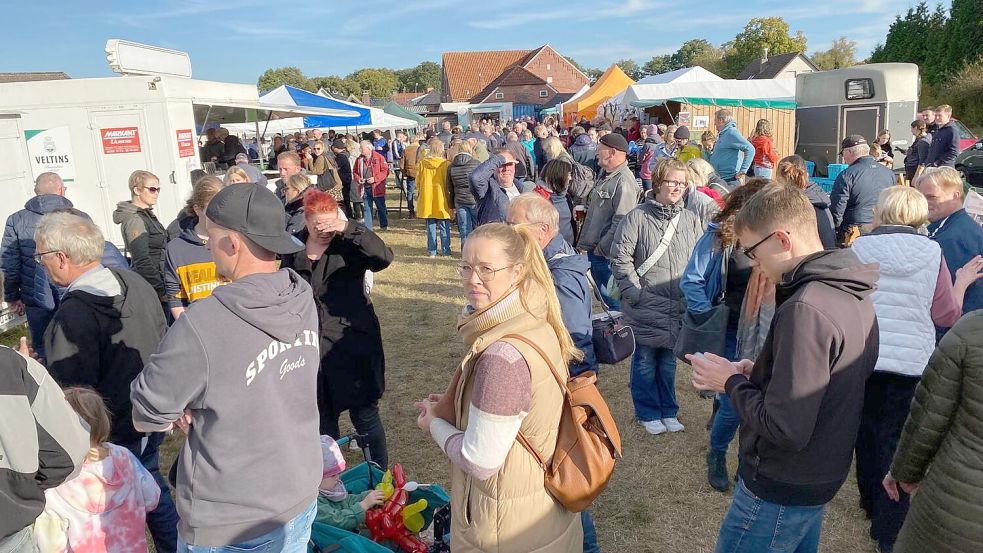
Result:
pixel 612 198
pixel 239 364
pixel 856 189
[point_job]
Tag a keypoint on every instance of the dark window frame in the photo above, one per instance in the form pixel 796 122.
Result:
pixel 867 91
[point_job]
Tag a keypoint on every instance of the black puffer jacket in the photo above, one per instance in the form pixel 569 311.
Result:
pixel 461 168
pixel 824 219
pixel 145 239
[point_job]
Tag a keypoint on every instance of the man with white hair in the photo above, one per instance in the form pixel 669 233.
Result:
pixel 733 153
pixel 254 174
pixel 103 333
pixel 241 364
pixel 856 189
pixel 494 184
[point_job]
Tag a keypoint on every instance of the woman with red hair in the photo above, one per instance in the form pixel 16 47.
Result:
pixel 338 252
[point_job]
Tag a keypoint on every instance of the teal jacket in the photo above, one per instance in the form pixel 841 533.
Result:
pixel 732 154
pixel 346 514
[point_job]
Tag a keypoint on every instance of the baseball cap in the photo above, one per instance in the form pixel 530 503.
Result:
pixel 339 144
pixel 255 212
pixel 616 141
pixel 851 141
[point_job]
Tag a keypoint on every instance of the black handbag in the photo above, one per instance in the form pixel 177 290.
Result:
pixel 708 331
pixel 614 341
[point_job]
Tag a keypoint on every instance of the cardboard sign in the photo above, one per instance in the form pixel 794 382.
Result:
pixel 51 150
pixel 185 143
pixel 683 119
pixel 120 140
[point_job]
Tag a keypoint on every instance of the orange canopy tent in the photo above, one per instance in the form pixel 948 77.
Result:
pixel 613 82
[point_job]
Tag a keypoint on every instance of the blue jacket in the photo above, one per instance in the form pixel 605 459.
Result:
pixel 566 216
pixel 856 190
pixel 944 148
pixel 492 200
pixel 701 279
pixel 732 154
pixel 569 271
pixel 23 280
pixel 961 239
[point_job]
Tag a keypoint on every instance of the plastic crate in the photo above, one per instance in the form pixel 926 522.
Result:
pixel 834 169
pixel 811 168
pixel 825 184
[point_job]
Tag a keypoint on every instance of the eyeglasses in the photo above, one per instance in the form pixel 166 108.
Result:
pixel 674 184
pixel 39 255
pixel 485 274
pixel 749 252
pixel 152 189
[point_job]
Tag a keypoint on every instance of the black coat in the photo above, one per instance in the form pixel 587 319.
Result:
pixel 353 364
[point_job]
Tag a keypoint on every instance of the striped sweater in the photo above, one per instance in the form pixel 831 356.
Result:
pixel 42 440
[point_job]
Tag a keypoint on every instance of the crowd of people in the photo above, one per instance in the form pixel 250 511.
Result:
pixel 827 328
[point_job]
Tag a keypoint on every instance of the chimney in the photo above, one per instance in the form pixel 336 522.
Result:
pixel 764 56
pixel 366 99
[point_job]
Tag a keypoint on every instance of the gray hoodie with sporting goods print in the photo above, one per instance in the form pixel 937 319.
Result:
pixel 244 361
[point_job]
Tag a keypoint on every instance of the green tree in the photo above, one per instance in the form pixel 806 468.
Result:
pixel 426 75
pixel 379 83
pixel 292 76
pixel 657 65
pixel 696 52
pixel 964 34
pixel 631 68
pixel 842 53
pixel 750 44
pixel 919 37
pixel 337 85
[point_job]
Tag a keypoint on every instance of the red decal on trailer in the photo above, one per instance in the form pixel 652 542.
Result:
pixel 120 140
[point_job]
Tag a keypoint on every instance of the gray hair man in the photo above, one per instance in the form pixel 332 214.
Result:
pixel 733 154
pixel 254 174
pixel 856 189
pixel 246 354
pixel 494 184
pixel 288 163
pixel 107 326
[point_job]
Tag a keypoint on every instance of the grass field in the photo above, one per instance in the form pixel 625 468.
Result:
pixel 658 500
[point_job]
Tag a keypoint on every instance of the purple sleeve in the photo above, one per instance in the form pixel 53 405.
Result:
pixel 945 310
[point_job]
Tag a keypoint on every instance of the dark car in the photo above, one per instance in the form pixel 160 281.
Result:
pixel 970 163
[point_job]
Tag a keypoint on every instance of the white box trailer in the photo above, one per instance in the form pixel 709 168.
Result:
pixel 95 132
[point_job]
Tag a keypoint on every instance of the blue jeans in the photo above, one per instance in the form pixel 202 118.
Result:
pixel 725 422
pixel 410 192
pixel 163 520
pixel 600 268
pixel 590 534
pixel 37 321
pixel 753 525
pixel 292 537
pixel 466 220
pixel 653 383
pixel 379 205
pixel 445 236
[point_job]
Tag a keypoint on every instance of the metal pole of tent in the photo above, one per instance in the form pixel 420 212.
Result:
pixel 260 139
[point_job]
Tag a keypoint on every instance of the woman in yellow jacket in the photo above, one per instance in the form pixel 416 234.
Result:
pixel 433 200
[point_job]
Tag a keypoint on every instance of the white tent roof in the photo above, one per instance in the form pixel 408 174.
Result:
pixel 685 75
pixel 778 93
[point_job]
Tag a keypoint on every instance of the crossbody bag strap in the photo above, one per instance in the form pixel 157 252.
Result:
pixel 559 380
pixel 724 267
pixel 661 249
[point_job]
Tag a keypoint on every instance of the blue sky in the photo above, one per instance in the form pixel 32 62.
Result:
pixel 236 41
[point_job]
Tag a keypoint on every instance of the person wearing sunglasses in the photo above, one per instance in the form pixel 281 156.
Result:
pixel 649 254
pixel 800 402
pixel 144 237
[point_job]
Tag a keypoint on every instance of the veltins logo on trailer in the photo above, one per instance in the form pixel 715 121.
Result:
pixel 185 143
pixel 120 140
pixel 51 151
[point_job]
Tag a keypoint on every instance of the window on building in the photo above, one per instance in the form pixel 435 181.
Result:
pixel 499 95
pixel 549 80
pixel 859 89
pixel 547 67
pixel 543 94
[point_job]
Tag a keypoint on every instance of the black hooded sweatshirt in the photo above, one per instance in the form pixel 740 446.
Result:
pixel 800 408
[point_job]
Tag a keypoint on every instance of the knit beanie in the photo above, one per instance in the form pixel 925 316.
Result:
pixel 334 463
pixel 681 133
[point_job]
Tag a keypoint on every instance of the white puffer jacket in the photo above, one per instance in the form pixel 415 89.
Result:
pixel 903 300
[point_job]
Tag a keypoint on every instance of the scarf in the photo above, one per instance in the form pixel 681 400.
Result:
pixel 336 494
pixel 757 311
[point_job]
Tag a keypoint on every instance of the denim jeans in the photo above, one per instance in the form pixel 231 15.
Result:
pixel 466 220
pixel 445 236
pixel 37 321
pixel 600 269
pixel 21 542
pixel 374 204
pixel 292 537
pixel 163 520
pixel 590 534
pixel 762 172
pixel 725 421
pixel 410 192
pixel 653 383
pixel 368 423
pixel 753 525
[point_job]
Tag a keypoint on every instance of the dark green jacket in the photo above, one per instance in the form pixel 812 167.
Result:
pixel 942 447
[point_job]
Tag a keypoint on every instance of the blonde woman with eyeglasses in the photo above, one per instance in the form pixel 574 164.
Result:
pixel 144 237
pixel 648 257
pixel 503 386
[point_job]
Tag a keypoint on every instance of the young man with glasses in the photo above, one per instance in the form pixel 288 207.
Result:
pixel 800 402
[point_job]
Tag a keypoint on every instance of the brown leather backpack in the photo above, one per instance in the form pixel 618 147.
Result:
pixel 587 443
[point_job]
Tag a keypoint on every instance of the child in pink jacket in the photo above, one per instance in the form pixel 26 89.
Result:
pixel 103 509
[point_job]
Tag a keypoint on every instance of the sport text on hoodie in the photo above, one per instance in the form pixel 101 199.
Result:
pixel 244 361
pixel 800 408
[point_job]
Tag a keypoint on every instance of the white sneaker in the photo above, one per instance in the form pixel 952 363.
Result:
pixel 654 427
pixel 673 425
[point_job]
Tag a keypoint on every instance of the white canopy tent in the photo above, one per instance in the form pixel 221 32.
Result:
pixel 685 75
pixel 770 93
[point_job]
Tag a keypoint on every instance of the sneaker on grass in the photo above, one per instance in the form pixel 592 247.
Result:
pixel 673 425
pixel 654 427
